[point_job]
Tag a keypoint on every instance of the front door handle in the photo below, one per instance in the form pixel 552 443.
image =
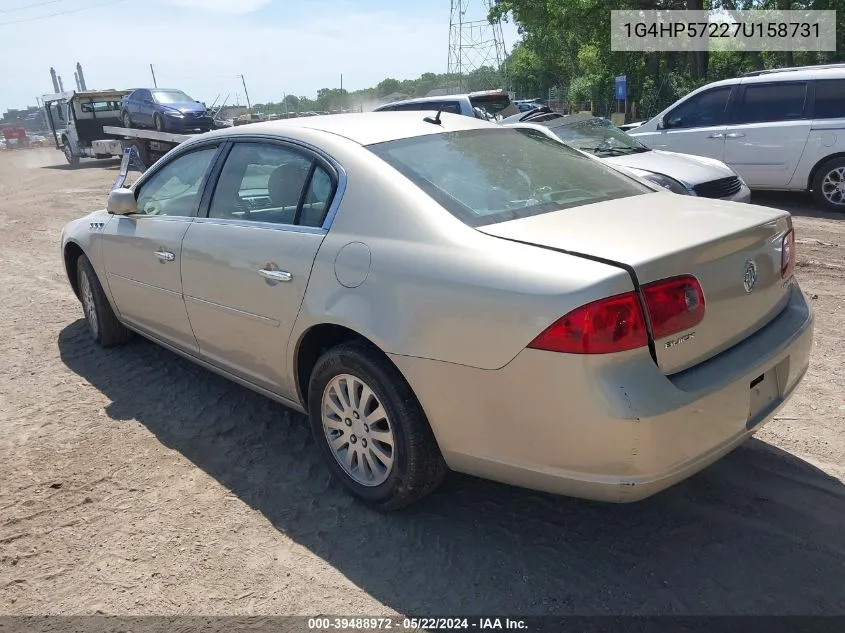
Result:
pixel 275 275
pixel 716 135
pixel 734 135
pixel 165 256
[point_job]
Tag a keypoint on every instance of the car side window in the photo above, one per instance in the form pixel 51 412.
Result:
pixel 317 199
pixel 830 99
pixel 174 190
pixel 702 110
pixel 261 182
pixel 781 101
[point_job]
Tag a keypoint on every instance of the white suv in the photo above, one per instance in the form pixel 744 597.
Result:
pixel 778 129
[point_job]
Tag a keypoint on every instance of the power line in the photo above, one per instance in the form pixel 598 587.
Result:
pixel 52 15
pixel 29 6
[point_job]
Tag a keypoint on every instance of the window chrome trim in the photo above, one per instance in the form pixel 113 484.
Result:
pixel 276 226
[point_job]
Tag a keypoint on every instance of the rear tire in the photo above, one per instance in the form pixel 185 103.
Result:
pixel 387 403
pixel 105 328
pixel 829 185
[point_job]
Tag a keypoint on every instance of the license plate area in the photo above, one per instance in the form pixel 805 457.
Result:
pixel 764 394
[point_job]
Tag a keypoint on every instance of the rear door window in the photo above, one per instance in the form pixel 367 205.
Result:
pixel 830 99
pixel 782 101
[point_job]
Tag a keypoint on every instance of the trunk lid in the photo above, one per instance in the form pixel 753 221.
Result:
pixel 661 235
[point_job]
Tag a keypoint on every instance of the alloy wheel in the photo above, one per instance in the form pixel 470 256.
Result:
pixel 358 430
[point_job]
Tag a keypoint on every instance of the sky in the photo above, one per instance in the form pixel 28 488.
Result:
pixel 201 46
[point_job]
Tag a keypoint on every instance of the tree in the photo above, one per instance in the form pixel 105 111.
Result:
pixel 386 86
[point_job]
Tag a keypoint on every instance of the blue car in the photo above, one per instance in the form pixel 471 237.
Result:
pixel 165 110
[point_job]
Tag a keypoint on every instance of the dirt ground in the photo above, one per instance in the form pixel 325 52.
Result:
pixel 133 482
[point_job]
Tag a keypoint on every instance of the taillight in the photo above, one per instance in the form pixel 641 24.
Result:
pixel 787 254
pixel 673 305
pixel 609 325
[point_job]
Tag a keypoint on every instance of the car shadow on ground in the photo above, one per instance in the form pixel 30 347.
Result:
pixel 758 532
pixel 105 163
pixel 797 203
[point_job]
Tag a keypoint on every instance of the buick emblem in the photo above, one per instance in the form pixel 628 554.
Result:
pixel 749 279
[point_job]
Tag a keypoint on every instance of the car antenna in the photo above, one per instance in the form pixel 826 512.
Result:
pixel 435 120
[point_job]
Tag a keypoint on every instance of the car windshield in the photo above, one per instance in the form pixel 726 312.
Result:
pixel 598 136
pixel 170 96
pixel 487 176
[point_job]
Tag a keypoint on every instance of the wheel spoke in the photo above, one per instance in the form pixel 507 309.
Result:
pixel 381 456
pixel 376 415
pixel 333 424
pixel 332 406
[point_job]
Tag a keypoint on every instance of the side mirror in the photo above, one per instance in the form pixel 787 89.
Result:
pixel 661 123
pixel 122 202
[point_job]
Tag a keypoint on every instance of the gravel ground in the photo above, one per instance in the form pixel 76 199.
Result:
pixel 133 482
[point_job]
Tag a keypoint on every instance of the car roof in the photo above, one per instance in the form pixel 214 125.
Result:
pixel 365 128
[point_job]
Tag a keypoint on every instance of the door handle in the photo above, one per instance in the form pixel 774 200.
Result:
pixel 275 275
pixel 734 135
pixel 165 256
pixel 716 135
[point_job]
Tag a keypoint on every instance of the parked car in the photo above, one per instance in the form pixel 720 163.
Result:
pixel 778 129
pixel 165 110
pixel 445 292
pixel 485 104
pixel 526 105
pixel 679 173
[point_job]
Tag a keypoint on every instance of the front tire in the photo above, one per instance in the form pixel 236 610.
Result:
pixel 127 120
pixel 158 122
pixel 829 185
pixel 102 322
pixel 371 429
pixel 72 160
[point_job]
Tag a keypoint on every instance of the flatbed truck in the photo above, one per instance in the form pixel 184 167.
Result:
pixel 88 124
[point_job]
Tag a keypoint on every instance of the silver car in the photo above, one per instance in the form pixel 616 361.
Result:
pixel 679 173
pixel 440 292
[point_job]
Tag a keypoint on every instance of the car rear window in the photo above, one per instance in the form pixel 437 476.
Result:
pixel 493 175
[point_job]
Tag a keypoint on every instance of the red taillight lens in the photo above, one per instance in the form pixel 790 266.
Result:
pixel 609 325
pixel 673 305
pixel 787 254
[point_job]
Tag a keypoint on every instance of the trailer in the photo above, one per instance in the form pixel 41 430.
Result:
pixel 88 124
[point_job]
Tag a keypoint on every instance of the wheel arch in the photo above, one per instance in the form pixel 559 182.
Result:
pixel 818 165
pixel 314 342
pixel 71 255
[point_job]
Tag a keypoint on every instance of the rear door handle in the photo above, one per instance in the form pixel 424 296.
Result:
pixel 716 135
pixel 734 135
pixel 165 256
pixel 275 275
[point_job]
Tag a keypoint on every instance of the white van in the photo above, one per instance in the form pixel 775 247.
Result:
pixel 778 129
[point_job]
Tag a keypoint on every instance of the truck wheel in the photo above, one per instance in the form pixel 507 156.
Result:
pixel 158 121
pixel 829 185
pixel 72 160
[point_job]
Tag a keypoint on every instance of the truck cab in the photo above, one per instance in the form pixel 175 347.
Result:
pixel 77 120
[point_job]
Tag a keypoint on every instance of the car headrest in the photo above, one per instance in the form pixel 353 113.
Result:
pixel 285 184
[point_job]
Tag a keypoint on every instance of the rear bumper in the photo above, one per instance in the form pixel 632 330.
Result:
pixel 610 428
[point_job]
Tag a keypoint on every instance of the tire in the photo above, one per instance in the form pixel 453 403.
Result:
pixel 417 467
pixel 826 192
pixel 158 123
pixel 72 160
pixel 102 322
pixel 141 150
pixel 127 119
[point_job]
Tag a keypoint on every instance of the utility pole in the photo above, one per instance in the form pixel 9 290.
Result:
pixel 155 85
pixel 246 94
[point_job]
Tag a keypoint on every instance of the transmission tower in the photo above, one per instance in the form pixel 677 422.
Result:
pixel 473 41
